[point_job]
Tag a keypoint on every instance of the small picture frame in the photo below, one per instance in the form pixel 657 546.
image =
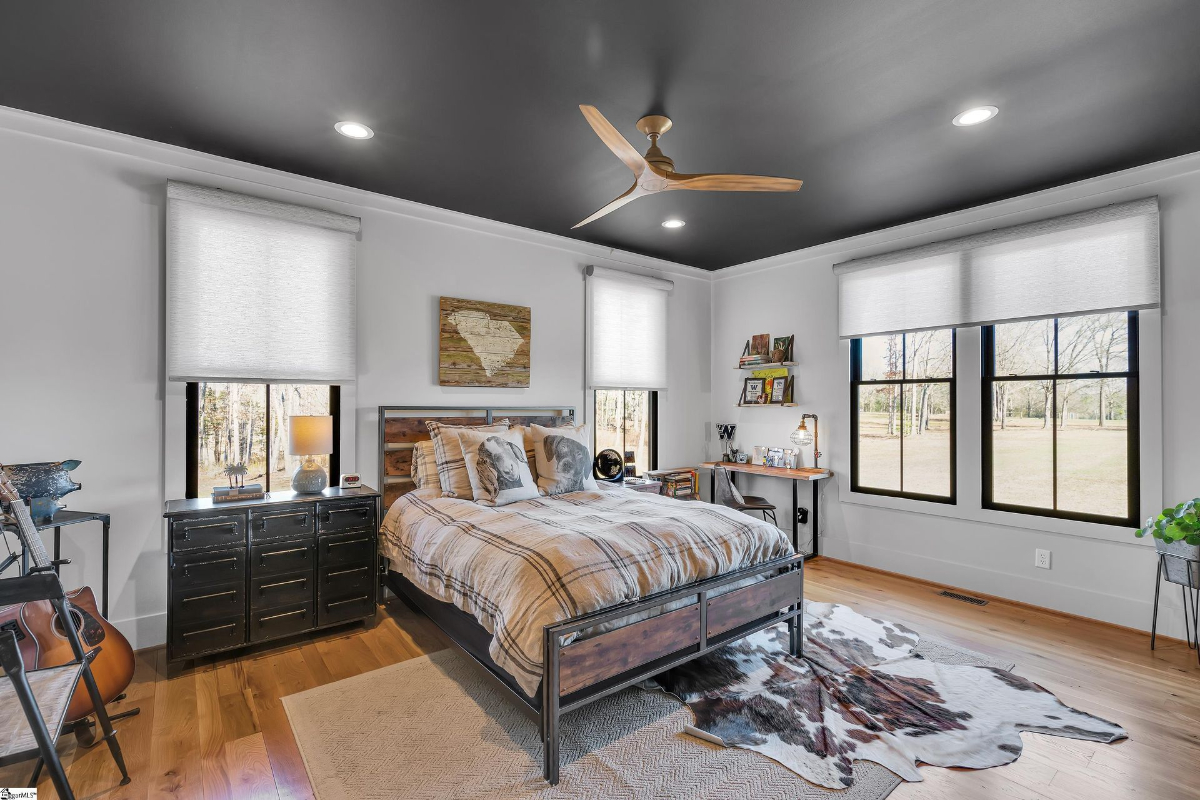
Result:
pixel 774 457
pixel 753 390
pixel 782 349
pixel 789 458
pixel 778 390
pixel 743 457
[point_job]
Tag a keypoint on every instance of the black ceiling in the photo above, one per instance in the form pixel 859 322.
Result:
pixel 474 104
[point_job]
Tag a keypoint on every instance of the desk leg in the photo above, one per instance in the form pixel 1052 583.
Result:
pixel 24 559
pixel 104 567
pixel 795 517
pixel 57 548
pixel 816 518
pixel 712 485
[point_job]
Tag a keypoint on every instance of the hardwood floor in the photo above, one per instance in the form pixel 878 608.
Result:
pixel 216 729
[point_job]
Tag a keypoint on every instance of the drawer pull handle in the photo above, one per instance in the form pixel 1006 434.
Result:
pixel 261 556
pixel 262 521
pixel 211 596
pixel 276 585
pixel 210 630
pixel 231 559
pixel 231 525
pixel 344 572
pixel 329 606
pixel 301 611
pixel 331 545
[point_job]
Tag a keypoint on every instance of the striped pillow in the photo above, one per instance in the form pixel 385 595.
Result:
pixel 424 466
pixel 448 454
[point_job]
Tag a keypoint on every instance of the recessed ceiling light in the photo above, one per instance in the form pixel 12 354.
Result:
pixel 673 223
pixel 974 116
pixel 355 130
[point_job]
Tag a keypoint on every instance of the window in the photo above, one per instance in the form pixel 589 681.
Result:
pixel 626 420
pixel 902 415
pixel 1060 400
pixel 230 423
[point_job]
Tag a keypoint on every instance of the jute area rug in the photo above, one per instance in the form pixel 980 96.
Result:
pixel 431 727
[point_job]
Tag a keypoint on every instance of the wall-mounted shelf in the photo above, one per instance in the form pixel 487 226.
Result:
pixel 767 405
pixel 771 366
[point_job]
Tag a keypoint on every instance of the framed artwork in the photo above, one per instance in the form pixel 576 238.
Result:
pixel 483 344
pixel 782 349
pixel 760 344
pixel 774 457
pixel 752 390
pixel 778 389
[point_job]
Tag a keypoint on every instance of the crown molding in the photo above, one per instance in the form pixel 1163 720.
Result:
pixel 346 198
pixel 1067 198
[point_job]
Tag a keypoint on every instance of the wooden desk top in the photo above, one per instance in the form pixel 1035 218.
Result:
pixel 801 474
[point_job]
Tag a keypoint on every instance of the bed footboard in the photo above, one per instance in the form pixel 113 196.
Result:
pixel 583 671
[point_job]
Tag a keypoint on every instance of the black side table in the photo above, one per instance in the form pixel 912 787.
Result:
pixel 70 518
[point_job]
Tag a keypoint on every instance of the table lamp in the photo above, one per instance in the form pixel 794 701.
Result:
pixel 308 437
pixel 803 437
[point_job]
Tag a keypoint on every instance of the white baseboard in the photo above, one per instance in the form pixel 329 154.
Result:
pixel 144 632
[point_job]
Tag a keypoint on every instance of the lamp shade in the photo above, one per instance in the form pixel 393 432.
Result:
pixel 310 436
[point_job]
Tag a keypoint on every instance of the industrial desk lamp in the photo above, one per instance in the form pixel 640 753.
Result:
pixel 802 436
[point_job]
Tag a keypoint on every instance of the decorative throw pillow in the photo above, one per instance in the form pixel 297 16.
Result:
pixel 527 435
pixel 497 466
pixel 448 454
pixel 564 459
pixel 424 466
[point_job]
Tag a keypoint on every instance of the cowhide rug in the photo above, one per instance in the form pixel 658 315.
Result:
pixel 861 693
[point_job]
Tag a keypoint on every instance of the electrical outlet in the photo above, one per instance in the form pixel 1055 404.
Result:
pixel 1041 559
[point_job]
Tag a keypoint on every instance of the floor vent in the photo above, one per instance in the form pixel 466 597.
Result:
pixel 966 598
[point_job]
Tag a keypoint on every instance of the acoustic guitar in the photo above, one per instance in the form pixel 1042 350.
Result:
pixel 41 637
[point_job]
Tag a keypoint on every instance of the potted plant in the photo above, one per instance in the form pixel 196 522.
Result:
pixel 1176 532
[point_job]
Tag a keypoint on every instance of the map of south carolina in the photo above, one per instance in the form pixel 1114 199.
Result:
pixel 494 343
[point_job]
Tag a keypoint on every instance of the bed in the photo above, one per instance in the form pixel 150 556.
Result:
pixel 563 600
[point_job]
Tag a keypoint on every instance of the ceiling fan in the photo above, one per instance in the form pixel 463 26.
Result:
pixel 654 172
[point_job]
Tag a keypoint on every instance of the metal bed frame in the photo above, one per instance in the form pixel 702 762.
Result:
pixel 599 665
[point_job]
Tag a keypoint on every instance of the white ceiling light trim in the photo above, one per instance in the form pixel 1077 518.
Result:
pixel 353 130
pixel 974 116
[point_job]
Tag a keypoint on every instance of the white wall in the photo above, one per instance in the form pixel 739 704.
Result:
pixel 1098 571
pixel 81 263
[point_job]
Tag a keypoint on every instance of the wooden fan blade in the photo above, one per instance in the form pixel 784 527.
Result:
pixel 716 182
pixel 615 141
pixel 630 194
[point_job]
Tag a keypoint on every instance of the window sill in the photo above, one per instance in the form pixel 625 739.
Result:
pixel 1008 519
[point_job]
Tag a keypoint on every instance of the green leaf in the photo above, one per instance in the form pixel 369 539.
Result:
pixel 1193 539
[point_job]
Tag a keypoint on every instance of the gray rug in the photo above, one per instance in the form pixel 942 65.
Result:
pixel 431 727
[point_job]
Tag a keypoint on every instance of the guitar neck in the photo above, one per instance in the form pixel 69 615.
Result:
pixel 31 540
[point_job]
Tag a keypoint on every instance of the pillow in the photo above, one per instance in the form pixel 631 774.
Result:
pixel 424 466
pixel 497 466
pixel 448 454
pixel 527 435
pixel 564 459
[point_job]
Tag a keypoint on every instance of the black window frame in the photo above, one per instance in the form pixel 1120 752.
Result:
pixel 856 381
pixel 192 426
pixel 1133 427
pixel 653 423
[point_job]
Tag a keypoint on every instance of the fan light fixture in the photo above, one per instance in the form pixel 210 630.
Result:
pixel 974 116
pixel 673 223
pixel 353 130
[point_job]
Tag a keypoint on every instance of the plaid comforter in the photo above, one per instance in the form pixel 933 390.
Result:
pixel 526 565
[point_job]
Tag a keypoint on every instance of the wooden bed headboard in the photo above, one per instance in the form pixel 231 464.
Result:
pixel 401 427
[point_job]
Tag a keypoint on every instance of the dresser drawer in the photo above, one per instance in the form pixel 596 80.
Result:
pixel 346 549
pixel 207 567
pixel 216 530
pixel 282 522
pixel 281 590
pixel 333 517
pixel 282 557
pixel 344 580
pixel 203 637
pixel 202 603
pixel 341 609
pixel 267 624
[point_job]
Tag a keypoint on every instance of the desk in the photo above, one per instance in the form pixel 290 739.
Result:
pixel 813 476
pixel 70 518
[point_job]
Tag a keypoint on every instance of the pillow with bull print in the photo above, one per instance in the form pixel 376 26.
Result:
pixel 497 466
pixel 564 459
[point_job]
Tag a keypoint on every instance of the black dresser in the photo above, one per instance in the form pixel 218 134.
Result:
pixel 246 572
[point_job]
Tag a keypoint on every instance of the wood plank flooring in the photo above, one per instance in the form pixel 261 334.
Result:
pixel 217 729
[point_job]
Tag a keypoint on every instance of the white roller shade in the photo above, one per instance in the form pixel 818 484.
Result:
pixel 258 291
pixel 627 330
pixel 1092 262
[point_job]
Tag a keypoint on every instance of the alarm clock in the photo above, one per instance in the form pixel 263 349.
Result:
pixel 350 480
